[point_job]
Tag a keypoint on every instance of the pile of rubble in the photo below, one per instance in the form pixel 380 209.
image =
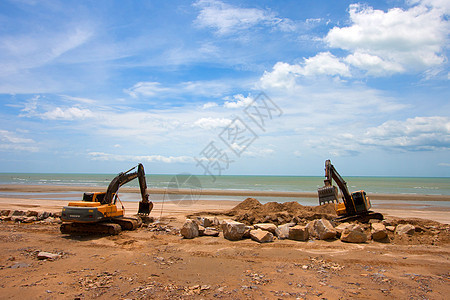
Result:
pixel 291 221
pixel 29 216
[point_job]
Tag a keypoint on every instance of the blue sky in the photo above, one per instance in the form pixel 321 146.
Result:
pixel 98 86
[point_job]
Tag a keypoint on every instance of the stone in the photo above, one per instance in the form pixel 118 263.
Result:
pixel 390 228
pixel 5 212
pixel 32 213
pixel 353 234
pixel 261 236
pixel 201 230
pixel 282 231
pixel 247 232
pixel 47 255
pixel 405 229
pixel 266 226
pixel 189 229
pixel 18 218
pixel 298 233
pixel 233 230
pixel 17 213
pixel 321 229
pixel 216 221
pixel 29 219
pixel 207 222
pixel 43 215
pixel 341 227
pixel 378 231
pixel 209 231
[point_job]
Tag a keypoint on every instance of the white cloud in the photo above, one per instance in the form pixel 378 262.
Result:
pixel 210 123
pixel 143 158
pixel 212 88
pixel 238 101
pixel 146 89
pixel 283 75
pixel 209 105
pixel 71 113
pixel 395 41
pixel 414 134
pixel 11 141
pixel 227 19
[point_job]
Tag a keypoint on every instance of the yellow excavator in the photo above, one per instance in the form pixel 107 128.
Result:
pixel 355 206
pixel 98 212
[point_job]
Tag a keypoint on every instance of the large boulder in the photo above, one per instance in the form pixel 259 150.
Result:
pixel 189 229
pixel 298 233
pixel 267 227
pixel 378 231
pixel 405 229
pixel 233 230
pixel 321 229
pixel 282 231
pixel 341 227
pixel 261 236
pixel 353 234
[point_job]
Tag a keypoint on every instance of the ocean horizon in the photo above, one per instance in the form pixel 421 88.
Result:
pixel 371 184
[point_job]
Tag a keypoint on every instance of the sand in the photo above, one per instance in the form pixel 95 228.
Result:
pixel 155 262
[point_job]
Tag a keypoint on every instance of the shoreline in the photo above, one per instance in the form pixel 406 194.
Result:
pixel 53 198
pixel 16 188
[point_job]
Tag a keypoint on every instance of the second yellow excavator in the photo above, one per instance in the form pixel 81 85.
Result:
pixel 355 206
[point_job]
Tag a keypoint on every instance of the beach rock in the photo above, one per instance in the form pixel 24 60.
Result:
pixel 405 229
pixel 207 222
pixel 29 220
pixel 378 231
pixel 390 228
pixel 189 229
pixel 5 212
pixel 201 230
pixel 43 215
pixel 353 234
pixel 18 218
pixel 233 230
pixel 17 213
pixel 266 226
pixel 209 231
pixel 32 213
pixel 298 233
pixel 47 255
pixel 321 229
pixel 247 231
pixel 216 222
pixel 261 236
pixel 282 231
pixel 341 227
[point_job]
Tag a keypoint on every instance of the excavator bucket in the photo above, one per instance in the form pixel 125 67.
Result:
pixel 328 194
pixel 145 208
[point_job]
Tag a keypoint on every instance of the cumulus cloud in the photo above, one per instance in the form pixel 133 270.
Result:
pixel 238 101
pixel 414 134
pixel 395 41
pixel 211 123
pixel 227 19
pixel 144 158
pixel 283 75
pixel 209 105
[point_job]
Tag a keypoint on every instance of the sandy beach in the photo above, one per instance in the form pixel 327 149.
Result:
pixel 156 262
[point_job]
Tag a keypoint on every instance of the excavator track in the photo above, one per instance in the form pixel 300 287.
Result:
pixel 96 228
pixel 364 218
pixel 127 223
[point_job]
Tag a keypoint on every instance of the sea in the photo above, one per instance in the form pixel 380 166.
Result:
pixel 372 185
